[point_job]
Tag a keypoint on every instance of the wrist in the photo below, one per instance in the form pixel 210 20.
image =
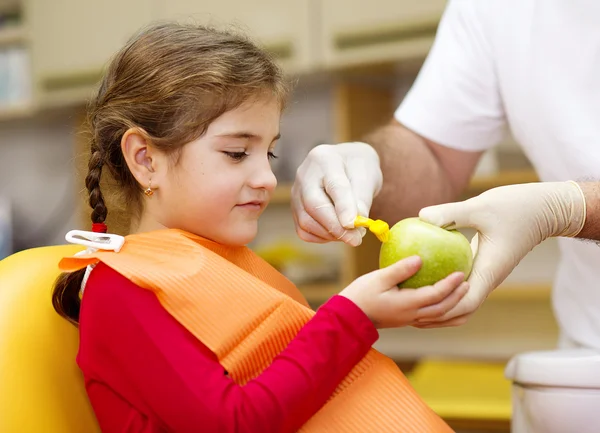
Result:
pixel 574 209
pixel 590 227
pixel 354 316
pixel 359 302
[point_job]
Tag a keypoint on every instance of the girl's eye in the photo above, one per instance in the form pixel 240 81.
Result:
pixel 236 156
pixel 272 155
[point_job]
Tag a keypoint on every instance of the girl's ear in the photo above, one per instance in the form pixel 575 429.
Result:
pixel 142 159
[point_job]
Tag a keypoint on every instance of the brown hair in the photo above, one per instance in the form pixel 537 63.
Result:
pixel 170 81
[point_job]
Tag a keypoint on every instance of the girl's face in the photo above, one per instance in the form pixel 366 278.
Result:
pixel 222 181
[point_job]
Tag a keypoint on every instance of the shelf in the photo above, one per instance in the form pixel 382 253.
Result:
pixel 317 294
pixel 12 34
pixel 522 292
pixel 509 177
pixel 16 112
pixel 283 193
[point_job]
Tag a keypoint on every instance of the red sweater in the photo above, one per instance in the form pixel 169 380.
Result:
pixel 144 372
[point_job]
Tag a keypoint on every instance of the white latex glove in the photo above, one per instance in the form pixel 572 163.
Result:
pixel 510 221
pixel 335 184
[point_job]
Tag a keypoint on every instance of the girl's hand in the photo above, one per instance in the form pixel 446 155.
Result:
pixel 377 294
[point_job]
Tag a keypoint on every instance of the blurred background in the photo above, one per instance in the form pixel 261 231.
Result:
pixel 353 62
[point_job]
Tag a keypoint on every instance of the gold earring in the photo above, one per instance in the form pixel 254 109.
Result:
pixel 148 191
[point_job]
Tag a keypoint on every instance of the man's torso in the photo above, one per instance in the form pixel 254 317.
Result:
pixel 547 55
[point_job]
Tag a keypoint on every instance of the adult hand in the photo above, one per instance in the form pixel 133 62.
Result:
pixel 333 185
pixel 510 221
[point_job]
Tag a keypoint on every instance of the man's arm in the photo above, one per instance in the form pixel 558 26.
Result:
pixel 416 172
pixel 591 228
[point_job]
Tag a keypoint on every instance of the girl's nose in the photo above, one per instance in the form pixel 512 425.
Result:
pixel 264 177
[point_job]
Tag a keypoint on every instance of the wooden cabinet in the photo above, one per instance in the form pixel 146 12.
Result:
pixel 72 40
pixel 355 31
pixel 282 27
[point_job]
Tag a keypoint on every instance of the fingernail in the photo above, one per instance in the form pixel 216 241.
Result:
pixel 412 260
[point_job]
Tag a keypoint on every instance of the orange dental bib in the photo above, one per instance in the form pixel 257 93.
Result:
pixel 246 313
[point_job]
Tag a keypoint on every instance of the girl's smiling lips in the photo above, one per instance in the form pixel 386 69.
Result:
pixel 255 205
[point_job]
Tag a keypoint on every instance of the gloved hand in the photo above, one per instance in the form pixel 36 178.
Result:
pixel 510 221
pixel 334 180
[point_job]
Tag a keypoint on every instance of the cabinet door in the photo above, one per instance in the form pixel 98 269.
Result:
pixel 357 31
pixel 72 40
pixel 282 27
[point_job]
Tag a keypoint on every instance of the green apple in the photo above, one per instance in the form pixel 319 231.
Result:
pixel 442 251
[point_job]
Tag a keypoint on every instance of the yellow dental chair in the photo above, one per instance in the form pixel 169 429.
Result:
pixel 41 387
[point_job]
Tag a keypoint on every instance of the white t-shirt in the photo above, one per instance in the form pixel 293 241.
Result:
pixel 534 66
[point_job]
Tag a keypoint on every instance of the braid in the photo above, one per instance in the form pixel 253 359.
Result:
pixel 65 297
pixel 92 183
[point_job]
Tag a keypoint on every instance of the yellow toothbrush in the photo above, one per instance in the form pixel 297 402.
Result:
pixel 379 228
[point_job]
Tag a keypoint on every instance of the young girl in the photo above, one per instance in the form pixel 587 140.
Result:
pixel 186 122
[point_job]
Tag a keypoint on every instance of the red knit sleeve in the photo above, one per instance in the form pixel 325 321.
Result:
pixel 131 345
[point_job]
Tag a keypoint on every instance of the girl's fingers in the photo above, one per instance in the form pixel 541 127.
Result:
pixel 431 295
pixel 392 275
pixel 456 321
pixel 437 310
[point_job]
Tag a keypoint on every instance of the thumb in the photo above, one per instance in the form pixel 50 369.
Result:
pixel 398 272
pixel 449 215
